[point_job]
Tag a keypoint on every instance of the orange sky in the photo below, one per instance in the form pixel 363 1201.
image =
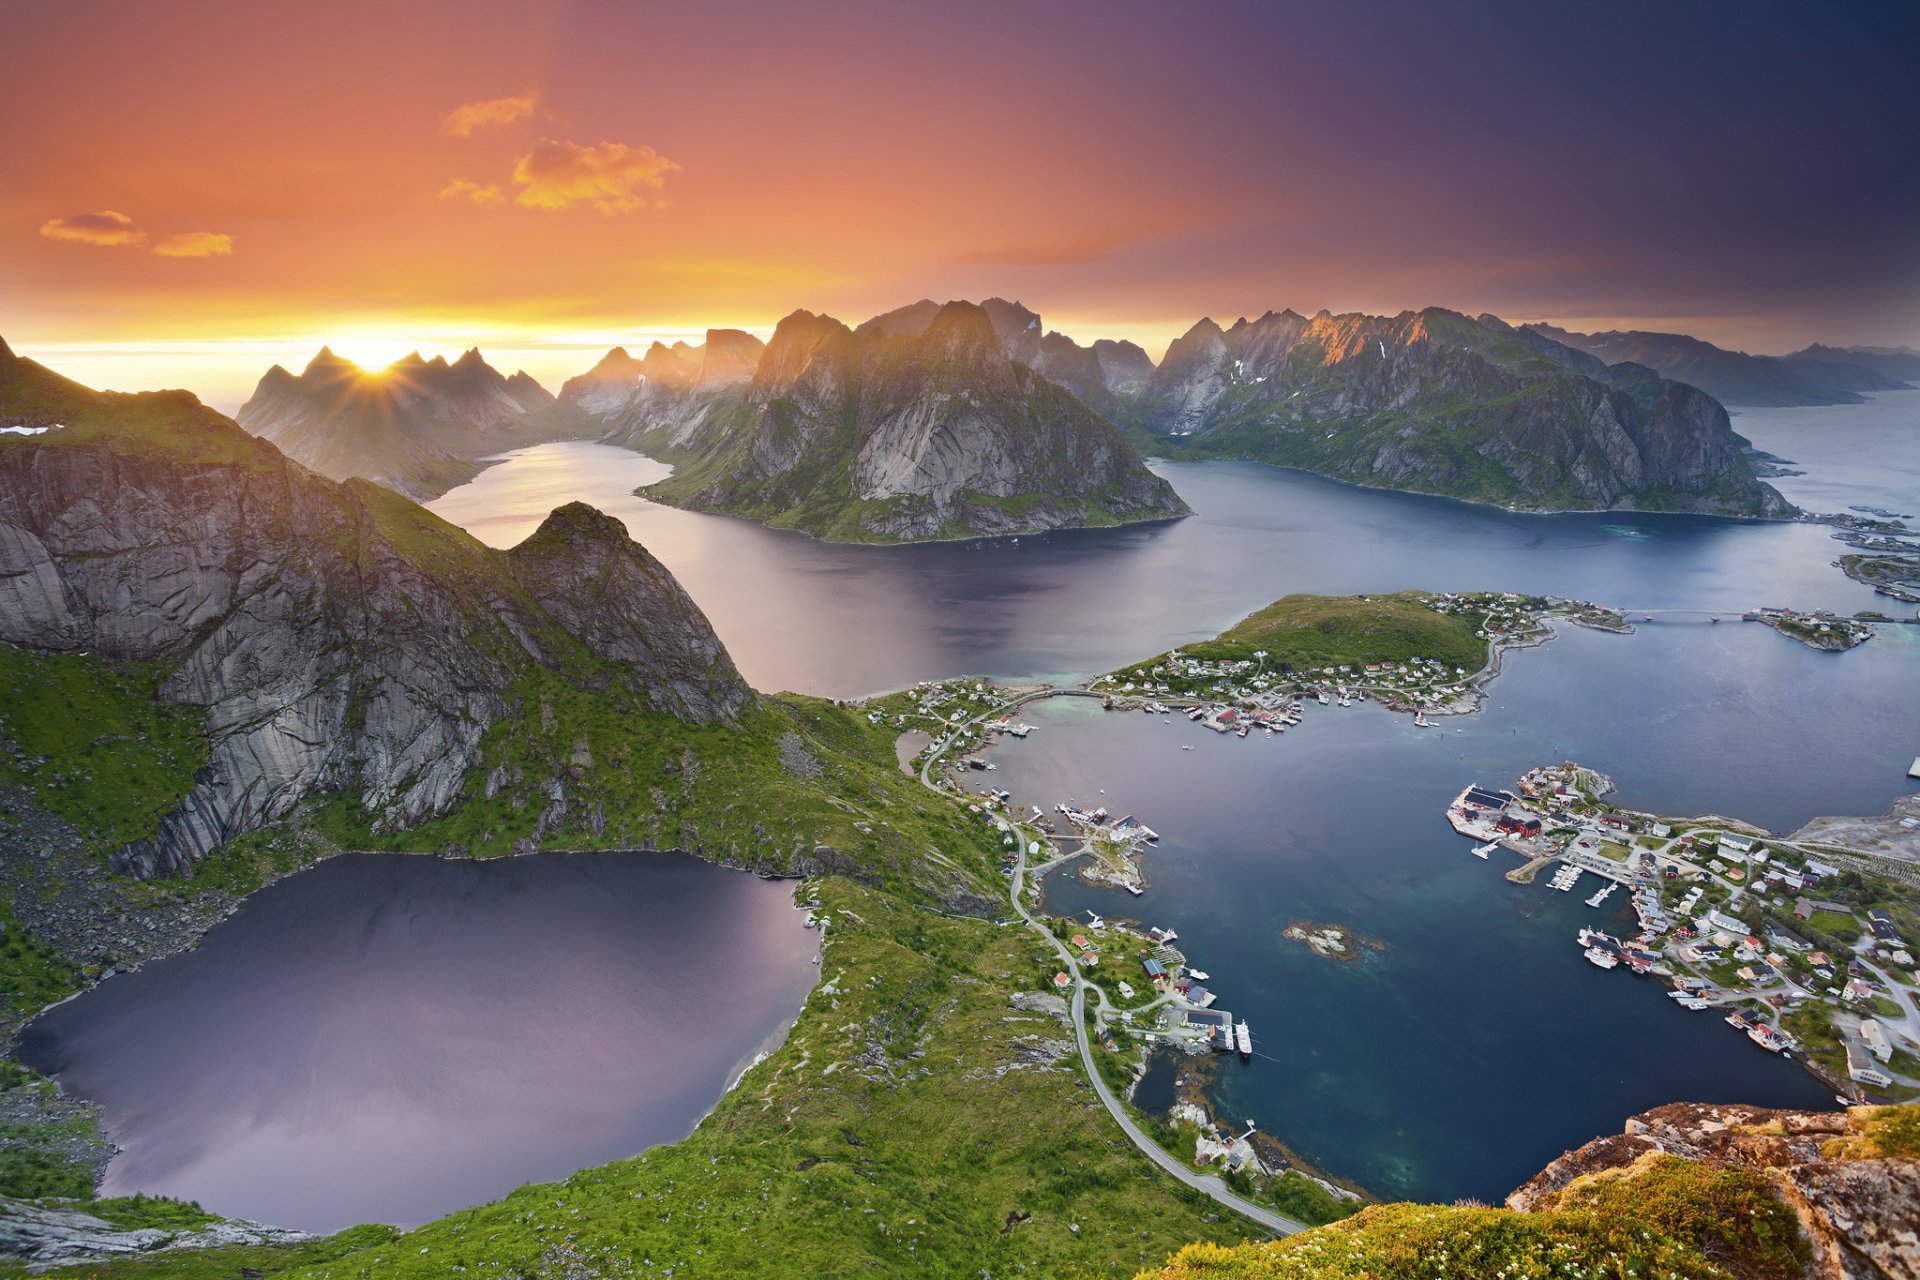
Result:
pixel 196 190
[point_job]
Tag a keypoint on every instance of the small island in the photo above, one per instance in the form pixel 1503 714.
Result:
pixel 1332 941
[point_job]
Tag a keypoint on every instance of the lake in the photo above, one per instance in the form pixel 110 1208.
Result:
pixel 386 1038
pixel 844 621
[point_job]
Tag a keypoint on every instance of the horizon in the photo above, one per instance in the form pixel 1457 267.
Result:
pixel 528 194
pixel 225 374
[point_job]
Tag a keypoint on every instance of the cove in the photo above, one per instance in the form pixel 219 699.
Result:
pixel 387 1037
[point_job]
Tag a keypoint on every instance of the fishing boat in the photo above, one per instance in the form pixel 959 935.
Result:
pixel 1602 957
pixel 1243 1040
pixel 1481 851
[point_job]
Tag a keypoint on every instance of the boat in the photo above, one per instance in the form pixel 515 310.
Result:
pixel 1481 851
pixel 1186 748
pixel 1020 730
pixel 1602 957
pixel 1765 1036
pixel 1243 1039
pixel 1420 721
pixel 1241 732
pixel 1199 975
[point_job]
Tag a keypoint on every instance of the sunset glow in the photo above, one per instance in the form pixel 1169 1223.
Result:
pixel 627 170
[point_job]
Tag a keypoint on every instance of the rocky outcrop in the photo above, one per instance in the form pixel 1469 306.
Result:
pixel 339 637
pixel 1854 1185
pixel 1439 402
pixel 419 426
pixel 1816 376
pixel 42 1235
pixel 923 423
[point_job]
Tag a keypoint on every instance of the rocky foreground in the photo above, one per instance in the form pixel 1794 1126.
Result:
pixel 1687 1190
pixel 1852 1178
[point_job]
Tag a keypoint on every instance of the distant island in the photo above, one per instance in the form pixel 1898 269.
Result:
pixel 1817 375
pixel 918 425
pixel 1434 401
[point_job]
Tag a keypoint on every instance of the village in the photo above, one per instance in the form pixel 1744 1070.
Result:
pixel 1803 948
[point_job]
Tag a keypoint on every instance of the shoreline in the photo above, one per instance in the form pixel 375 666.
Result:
pixel 1700 888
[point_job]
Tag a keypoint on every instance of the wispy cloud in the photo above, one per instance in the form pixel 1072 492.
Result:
pixel 470 118
pixel 105 229
pixel 479 193
pixel 612 177
pixel 195 244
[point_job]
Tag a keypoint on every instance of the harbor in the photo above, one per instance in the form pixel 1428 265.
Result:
pixel 1737 920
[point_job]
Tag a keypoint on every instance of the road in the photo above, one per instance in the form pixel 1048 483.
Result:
pixel 1206 1183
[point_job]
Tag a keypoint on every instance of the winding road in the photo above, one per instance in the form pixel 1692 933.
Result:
pixel 1206 1183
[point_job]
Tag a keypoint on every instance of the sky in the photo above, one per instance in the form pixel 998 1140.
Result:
pixel 199 189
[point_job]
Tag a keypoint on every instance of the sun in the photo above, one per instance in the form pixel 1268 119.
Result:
pixel 372 352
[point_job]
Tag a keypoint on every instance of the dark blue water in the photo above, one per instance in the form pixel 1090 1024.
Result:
pixel 1481 1043
pixel 386 1038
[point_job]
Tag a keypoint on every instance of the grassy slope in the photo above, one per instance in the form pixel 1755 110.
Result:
pixel 887 1136
pixel 1308 632
pixel 94 743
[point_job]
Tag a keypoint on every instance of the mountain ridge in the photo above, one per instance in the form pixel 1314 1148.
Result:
pixel 419 426
pixel 918 424
pixel 1435 401
pixel 1734 377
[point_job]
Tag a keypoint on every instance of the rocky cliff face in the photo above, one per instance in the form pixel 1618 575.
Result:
pixel 1851 1177
pixel 1816 376
pixel 418 427
pixel 1443 403
pixel 340 638
pixel 917 425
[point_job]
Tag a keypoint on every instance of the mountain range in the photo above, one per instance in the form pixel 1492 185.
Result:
pixel 926 422
pixel 942 420
pixel 1439 402
pixel 420 427
pixel 1816 375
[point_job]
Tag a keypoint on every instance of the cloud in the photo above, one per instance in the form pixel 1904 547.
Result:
pixel 470 118
pixel 106 229
pixel 462 189
pixel 196 244
pixel 612 177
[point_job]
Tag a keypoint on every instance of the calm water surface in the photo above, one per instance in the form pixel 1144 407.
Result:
pixel 388 1038
pixel 1481 1043
pixel 1853 454
pixel 849 620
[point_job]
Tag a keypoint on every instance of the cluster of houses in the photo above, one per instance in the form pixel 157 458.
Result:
pixel 1764 954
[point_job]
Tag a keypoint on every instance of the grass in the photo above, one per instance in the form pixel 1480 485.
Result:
pixel 1664 1216
pixel 32 975
pixel 95 743
pixel 1308 632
